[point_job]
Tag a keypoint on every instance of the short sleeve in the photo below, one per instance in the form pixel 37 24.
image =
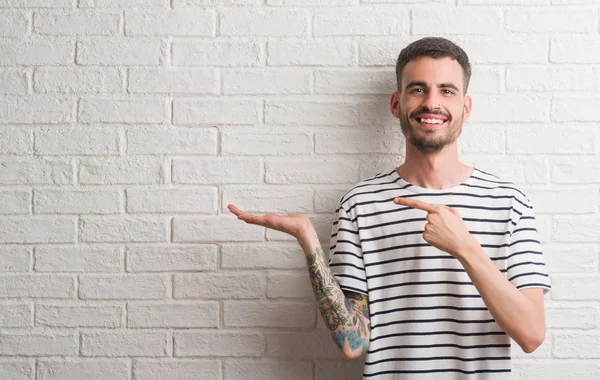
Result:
pixel 345 252
pixel 525 265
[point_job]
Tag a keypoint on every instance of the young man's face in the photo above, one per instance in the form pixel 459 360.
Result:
pixel 431 105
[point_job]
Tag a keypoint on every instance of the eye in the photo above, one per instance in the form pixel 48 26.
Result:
pixel 416 89
pixel 448 92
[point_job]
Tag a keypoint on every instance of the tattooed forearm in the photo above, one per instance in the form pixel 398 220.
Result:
pixel 345 314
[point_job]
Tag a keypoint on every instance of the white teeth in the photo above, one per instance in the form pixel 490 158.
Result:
pixel 432 121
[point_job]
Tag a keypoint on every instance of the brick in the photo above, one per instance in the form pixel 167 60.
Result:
pixel 224 285
pixel 139 51
pixel 574 49
pixel 196 200
pixel 229 344
pixel 36 171
pixel 576 170
pixel 486 80
pixel 328 113
pixel 173 315
pixel 13 82
pixel 90 80
pixel 172 141
pixel 321 53
pixel 214 229
pixel 482 139
pixel 570 258
pixel 583 287
pixel 571 201
pixel 124 3
pixel 354 82
pixel 276 199
pixel 76 202
pixel 105 316
pixel 348 369
pixel 456 21
pixel 15 202
pixel 186 22
pixel 132 287
pixel 266 81
pixel 37 52
pixel 36 3
pixel 259 370
pixel 14 259
pixel 216 171
pixel 311 171
pixel 503 2
pixel 577 345
pixel 574 108
pixel 380 52
pixel 215 111
pixel 82 370
pixel 555 369
pixel 76 23
pixel 88 142
pixel 17 369
pixel 173 80
pixel 580 229
pixel 364 21
pixel 289 285
pixel 126 170
pixel 15 23
pixel 262 256
pixel 571 317
pixel 327 198
pixel 263 22
pixel 16 315
pixel 117 229
pixel 379 141
pixel 36 109
pixel 179 369
pixel 216 53
pixel 203 3
pixel 37 229
pixel 553 140
pixel 125 343
pixel 510 108
pixel 141 110
pixel 507 49
pixel 269 314
pixel 38 343
pixel 261 142
pixel 171 258
pixel 549 21
pixel 77 258
pixel 540 78
pixel 317 344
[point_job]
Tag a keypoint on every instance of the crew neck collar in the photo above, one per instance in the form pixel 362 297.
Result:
pixel 418 189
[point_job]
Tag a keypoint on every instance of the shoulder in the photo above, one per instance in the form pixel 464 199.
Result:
pixel 498 186
pixel 365 186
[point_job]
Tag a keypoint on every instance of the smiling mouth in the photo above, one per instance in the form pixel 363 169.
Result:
pixel 430 122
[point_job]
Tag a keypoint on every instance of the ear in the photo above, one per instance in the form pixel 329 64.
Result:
pixel 467 107
pixel 395 104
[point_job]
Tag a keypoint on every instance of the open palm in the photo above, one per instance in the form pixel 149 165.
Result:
pixel 293 224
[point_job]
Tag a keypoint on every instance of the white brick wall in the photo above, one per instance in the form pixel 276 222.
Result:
pixel 129 125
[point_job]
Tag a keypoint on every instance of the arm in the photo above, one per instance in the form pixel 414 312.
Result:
pixel 346 314
pixel 520 313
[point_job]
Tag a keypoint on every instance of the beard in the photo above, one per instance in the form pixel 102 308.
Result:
pixel 434 140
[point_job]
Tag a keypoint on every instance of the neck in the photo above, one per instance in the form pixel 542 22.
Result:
pixel 438 171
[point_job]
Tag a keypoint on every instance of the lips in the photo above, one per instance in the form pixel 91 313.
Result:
pixel 430 121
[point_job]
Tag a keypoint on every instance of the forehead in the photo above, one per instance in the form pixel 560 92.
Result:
pixel 433 71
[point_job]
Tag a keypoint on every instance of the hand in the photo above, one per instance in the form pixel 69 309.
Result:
pixel 296 225
pixel 445 230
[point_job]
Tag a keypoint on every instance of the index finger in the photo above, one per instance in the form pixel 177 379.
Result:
pixel 415 203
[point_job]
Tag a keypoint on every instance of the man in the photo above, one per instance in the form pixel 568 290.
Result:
pixel 434 265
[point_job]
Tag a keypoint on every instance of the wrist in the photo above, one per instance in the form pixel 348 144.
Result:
pixel 308 240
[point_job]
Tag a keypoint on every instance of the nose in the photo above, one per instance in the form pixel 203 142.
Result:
pixel 432 100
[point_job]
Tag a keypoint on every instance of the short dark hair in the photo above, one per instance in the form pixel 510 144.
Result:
pixel 434 47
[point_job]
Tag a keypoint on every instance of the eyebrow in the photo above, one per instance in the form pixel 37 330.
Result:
pixel 423 84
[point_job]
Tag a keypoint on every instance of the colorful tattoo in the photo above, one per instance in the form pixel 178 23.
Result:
pixel 346 314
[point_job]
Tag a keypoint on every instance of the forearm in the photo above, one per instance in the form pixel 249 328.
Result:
pixel 348 326
pixel 513 311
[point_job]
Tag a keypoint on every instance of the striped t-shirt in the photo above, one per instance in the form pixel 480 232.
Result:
pixel 428 320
